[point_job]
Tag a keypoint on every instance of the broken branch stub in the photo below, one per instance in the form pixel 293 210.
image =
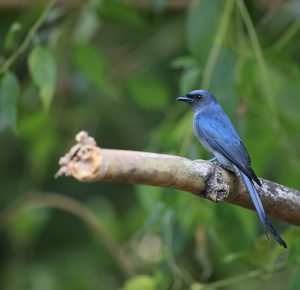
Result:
pixel 88 163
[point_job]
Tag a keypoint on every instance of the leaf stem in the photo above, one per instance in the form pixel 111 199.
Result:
pixel 31 34
pixel 259 273
pixel 260 60
pixel 217 44
pixel 287 36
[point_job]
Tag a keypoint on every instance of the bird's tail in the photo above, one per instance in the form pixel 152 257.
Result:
pixel 267 225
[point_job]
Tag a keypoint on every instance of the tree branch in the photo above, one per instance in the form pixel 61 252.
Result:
pixel 88 163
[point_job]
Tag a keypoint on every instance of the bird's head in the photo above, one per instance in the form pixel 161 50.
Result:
pixel 198 99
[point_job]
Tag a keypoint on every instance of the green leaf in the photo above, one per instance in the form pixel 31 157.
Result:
pixel 189 80
pixel 223 81
pixel 202 23
pixel 148 92
pixel 140 282
pixel 42 68
pixel 93 64
pixel 87 25
pixel 9 92
pixel 186 61
pixel 121 13
pixel 39 134
pixel 10 38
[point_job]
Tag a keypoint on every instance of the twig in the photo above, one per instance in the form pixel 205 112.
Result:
pixel 217 44
pixel 260 60
pixel 88 163
pixel 259 273
pixel 78 209
pixel 31 34
pixel 265 76
pixel 287 36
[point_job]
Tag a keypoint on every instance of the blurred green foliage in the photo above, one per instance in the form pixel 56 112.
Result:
pixel 114 68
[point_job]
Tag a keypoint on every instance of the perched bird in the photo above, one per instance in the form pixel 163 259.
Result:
pixel 216 133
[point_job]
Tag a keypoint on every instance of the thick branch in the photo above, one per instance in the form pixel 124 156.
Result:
pixel 89 163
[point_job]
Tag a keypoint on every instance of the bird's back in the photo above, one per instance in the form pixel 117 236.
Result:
pixel 217 134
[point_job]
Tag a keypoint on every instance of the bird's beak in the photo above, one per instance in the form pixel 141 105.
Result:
pixel 184 99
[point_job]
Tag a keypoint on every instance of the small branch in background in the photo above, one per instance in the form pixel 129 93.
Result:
pixel 261 273
pixel 88 163
pixel 217 43
pixel 76 208
pixel 29 37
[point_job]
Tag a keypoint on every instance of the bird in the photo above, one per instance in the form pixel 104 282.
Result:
pixel 216 133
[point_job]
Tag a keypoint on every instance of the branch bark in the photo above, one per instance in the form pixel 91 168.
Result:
pixel 88 163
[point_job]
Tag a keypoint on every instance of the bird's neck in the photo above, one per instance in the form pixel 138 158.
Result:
pixel 204 110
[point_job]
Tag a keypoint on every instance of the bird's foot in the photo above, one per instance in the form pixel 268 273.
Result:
pixel 214 161
pixel 228 167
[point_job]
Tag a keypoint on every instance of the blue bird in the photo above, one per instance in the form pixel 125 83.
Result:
pixel 216 133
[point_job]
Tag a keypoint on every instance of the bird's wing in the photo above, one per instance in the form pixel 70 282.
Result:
pixel 220 134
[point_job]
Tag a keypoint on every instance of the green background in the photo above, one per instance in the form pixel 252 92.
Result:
pixel 114 69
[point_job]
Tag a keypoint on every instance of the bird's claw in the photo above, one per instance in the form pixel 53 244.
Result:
pixel 228 167
pixel 214 161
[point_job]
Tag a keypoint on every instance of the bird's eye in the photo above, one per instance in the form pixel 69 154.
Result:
pixel 199 97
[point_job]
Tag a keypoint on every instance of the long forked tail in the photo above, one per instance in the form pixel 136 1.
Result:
pixel 267 225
